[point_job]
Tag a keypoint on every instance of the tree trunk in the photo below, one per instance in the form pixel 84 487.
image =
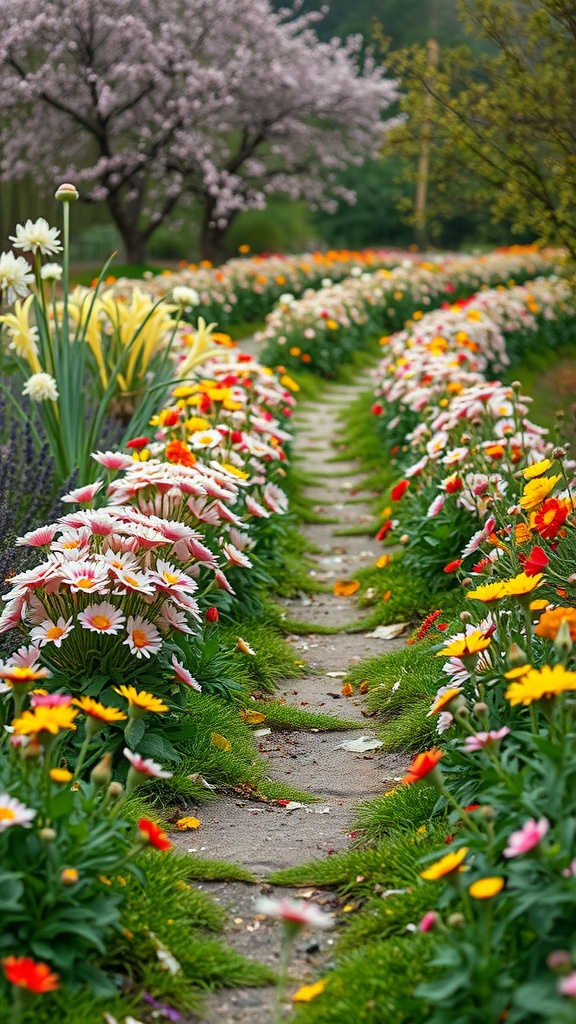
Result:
pixel 212 238
pixel 134 238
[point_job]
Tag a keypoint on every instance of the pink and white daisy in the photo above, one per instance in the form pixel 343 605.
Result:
pixel 72 540
pixel 146 766
pixel 205 439
pixel 84 495
pixel 102 618
pixel 295 912
pixel 275 499
pixel 184 675
pixel 485 739
pixel 436 506
pixel 256 509
pixel 26 657
pixel 113 460
pixel 84 577
pixel 168 577
pixel 527 838
pixel 171 618
pixel 143 638
pixel 49 632
pixel 133 581
pixel 44 535
pixel 236 557
pixel 12 812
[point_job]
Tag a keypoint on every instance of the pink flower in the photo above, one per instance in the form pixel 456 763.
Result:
pixel 26 657
pixel 146 766
pixel 50 700
pixel 84 495
pixel 527 838
pixel 184 675
pixel 102 618
pixel 84 577
pixel 113 460
pixel 294 912
pixel 428 922
pixel 567 985
pixel 171 618
pixel 39 538
pixel 436 506
pixel 143 637
pixel 484 739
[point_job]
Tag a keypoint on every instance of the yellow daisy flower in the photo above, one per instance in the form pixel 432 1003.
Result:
pixel 450 864
pixel 538 684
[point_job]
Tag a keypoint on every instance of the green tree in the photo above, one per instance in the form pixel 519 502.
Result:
pixel 501 123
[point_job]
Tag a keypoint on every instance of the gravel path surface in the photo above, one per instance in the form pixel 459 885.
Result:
pixel 265 837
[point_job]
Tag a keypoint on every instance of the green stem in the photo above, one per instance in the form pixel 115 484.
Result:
pixel 17 1013
pixel 285 950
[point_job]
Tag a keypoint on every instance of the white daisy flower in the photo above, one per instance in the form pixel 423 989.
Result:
pixel 51 272
pixel 102 618
pixel 37 236
pixel 49 632
pixel 41 387
pixel 12 812
pixel 143 637
pixel 15 277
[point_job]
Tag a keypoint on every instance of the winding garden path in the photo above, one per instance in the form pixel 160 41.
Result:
pixel 264 837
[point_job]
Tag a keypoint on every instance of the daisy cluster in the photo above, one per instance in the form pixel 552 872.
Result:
pixel 459 433
pixel 323 328
pixel 247 288
pixel 179 508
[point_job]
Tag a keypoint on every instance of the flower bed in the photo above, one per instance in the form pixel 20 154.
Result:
pixel 248 288
pixel 324 329
pixel 468 890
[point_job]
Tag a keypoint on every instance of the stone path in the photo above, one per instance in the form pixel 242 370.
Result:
pixel 265 837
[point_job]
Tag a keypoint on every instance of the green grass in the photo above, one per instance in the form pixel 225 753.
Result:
pixel 202 869
pixel 244 329
pixel 86 275
pixel 285 716
pixel 402 809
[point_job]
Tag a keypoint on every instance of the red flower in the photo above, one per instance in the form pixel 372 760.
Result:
pixel 384 529
pixel 30 974
pixel 550 517
pixel 422 765
pixel 454 485
pixel 377 409
pixel 212 615
pixel 153 835
pixel 400 490
pixel 171 418
pixel 536 562
pixel 453 566
pixel 137 442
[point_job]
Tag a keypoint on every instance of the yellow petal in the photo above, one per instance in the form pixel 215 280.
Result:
pixel 307 993
pixel 220 741
pixel 185 823
pixel 252 717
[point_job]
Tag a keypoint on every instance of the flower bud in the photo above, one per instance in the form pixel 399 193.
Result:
pixel 212 615
pixel 467 582
pixel 428 922
pixel 69 876
pixel 456 920
pixel 559 453
pixel 563 641
pixel 559 960
pixel 486 812
pixel 480 708
pixel 48 835
pixel 465 616
pixel 101 774
pixel 404 538
pixel 115 789
pixel 516 656
pixel 66 193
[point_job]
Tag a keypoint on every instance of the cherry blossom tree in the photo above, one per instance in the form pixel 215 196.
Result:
pixel 147 105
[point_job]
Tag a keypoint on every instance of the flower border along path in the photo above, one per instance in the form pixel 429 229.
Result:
pixel 466 885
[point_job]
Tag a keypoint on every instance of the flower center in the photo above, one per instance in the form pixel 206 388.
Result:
pixel 54 633
pixel 131 581
pixel 6 814
pixel 139 638
pixel 170 577
pixel 85 583
pixel 101 622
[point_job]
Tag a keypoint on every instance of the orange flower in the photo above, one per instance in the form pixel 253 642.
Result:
pixel 344 588
pixel 94 709
pixel 444 699
pixel 32 975
pixel 422 765
pixel 452 863
pixel 178 452
pixel 551 621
